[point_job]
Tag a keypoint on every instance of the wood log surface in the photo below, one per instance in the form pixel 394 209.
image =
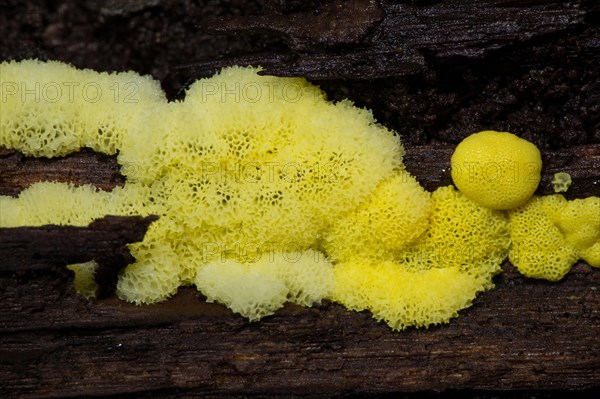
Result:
pixel 434 71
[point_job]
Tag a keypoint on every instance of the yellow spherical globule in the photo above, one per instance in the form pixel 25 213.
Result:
pixel 496 169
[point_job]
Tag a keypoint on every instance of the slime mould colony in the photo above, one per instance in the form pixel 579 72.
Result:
pixel 268 193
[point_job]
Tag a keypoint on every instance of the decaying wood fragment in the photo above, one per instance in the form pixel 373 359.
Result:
pixel 18 172
pixel 50 248
pixel 368 39
pixel 336 23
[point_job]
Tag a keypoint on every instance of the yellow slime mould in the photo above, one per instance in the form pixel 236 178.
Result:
pixel 561 182
pixel 268 193
pixel 549 234
pixel 579 221
pixel 496 169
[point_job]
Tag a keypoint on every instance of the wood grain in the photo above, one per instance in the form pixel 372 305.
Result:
pixel 49 248
pixel 524 335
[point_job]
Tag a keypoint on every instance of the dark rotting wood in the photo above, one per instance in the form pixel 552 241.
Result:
pixel 367 39
pixel 18 172
pixel 522 336
pixel 50 248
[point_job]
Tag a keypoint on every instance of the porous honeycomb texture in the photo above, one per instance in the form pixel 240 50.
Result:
pixel 246 174
pixel 394 216
pixel 51 109
pixel 549 234
pixel 267 193
pixel 430 281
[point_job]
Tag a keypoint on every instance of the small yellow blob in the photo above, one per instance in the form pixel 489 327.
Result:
pixel 561 182
pixel 496 169
pixel 84 281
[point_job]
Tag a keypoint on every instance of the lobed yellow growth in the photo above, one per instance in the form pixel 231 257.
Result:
pixel 248 292
pixel 84 278
pixel 156 273
pixel 561 182
pixel 496 169
pixel 402 297
pixel 430 281
pixel 591 254
pixel 65 204
pixel 240 168
pixel 394 216
pixel 53 203
pixel 462 234
pixel 259 288
pixel 579 221
pixel 52 109
pixel 539 249
pixel 252 176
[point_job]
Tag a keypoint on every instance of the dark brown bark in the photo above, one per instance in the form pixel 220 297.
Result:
pixel 434 71
pixel 523 335
pixel 392 39
pixel 50 248
pixel 85 167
